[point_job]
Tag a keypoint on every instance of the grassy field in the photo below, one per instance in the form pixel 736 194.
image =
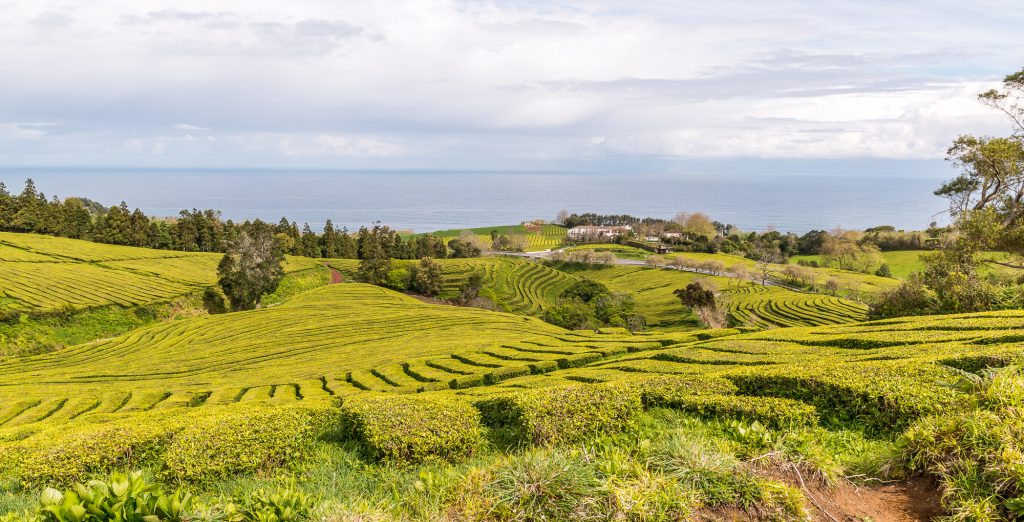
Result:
pixel 905 262
pixel 191 399
pixel 547 237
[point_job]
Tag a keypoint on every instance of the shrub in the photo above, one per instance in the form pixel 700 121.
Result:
pixel 770 411
pixel 214 301
pixel 561 414
pixel 412 428
pixel 246 440
pixel 665 390
pixel 68 455
pixel 912 297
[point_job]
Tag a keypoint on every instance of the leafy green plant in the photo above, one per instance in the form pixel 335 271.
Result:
pixel 122 498
pixel 284 505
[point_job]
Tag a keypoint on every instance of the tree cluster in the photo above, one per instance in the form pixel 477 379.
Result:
pixel 588 305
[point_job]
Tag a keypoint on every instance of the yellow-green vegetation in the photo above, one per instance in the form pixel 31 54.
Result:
pixel 902 263
pixel 748 304
pixel 535 238
pixel 214 397
pixel 40 272
pixel 849 283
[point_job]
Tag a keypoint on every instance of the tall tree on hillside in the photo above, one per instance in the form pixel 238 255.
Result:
pixel 310 244
pixel 329 241
pixel 251 268
pixel 7 207
pixel 374 261
pixel 346 245
pixel 30 210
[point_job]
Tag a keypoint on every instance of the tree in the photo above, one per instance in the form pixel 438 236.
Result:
pixel 428 278
pixel 470 290
pixel 765 256
pixel 459 248
pixel 912 297
pixel 251 268
pixel 374 262
pixel 703 302
pixel 585 290
pixel 562 216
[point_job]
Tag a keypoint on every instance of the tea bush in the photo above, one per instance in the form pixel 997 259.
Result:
pixel 561 413
pixel 412 428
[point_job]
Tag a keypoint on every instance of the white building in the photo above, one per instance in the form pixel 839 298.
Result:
pixel 594 233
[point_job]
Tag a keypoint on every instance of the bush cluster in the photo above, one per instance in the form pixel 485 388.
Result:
pixel 562 413
pixel 411 428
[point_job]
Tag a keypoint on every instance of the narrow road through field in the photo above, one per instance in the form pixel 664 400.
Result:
pixel 336 276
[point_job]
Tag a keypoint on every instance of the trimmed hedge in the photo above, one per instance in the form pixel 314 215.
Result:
pixel 246 440
pixel 770 411
pixel 61 456
pixel 412 428
pixel 881 397
pixel 562 413
pixel 666 390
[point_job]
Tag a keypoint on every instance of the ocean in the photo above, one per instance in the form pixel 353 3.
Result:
pixel 422 201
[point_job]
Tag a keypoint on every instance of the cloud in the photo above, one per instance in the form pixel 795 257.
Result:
pixel 496 84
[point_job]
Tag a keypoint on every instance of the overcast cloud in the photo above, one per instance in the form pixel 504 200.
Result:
pixel 500 85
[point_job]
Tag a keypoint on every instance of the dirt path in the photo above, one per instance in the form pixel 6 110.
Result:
pixel 336 276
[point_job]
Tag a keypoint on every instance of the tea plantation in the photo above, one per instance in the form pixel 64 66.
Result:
pixel 353 401
pixel 40 272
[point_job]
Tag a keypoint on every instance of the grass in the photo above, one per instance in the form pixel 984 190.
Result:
pixel 902 263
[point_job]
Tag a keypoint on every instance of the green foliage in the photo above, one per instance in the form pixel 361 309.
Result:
pixel 122 498
pixel 412 428
pixel 695 296
pixel 427 277
pixel 214 301
pixel 975 452
pixel 398 278
pixel 251 268
pixel 246 440
pixel 585 290
pixel 771 411
pixel 560 414
pixel 912 297
pixel 546 485
pixel 284 505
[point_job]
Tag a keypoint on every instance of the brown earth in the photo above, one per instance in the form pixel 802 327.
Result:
pixel 915 500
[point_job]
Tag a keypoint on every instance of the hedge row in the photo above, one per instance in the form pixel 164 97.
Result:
pixel 221 442
pixel 882 397
pixel 411 428
pixel 560 414
pixel 770 411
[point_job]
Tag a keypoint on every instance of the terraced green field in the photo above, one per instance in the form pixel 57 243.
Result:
pixel 43 272
pixel 349 340
pixel 749 304
pixel 365 338
pixel 849 282
pixel 548 237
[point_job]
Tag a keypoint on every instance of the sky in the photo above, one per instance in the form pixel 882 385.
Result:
pixel 496 85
